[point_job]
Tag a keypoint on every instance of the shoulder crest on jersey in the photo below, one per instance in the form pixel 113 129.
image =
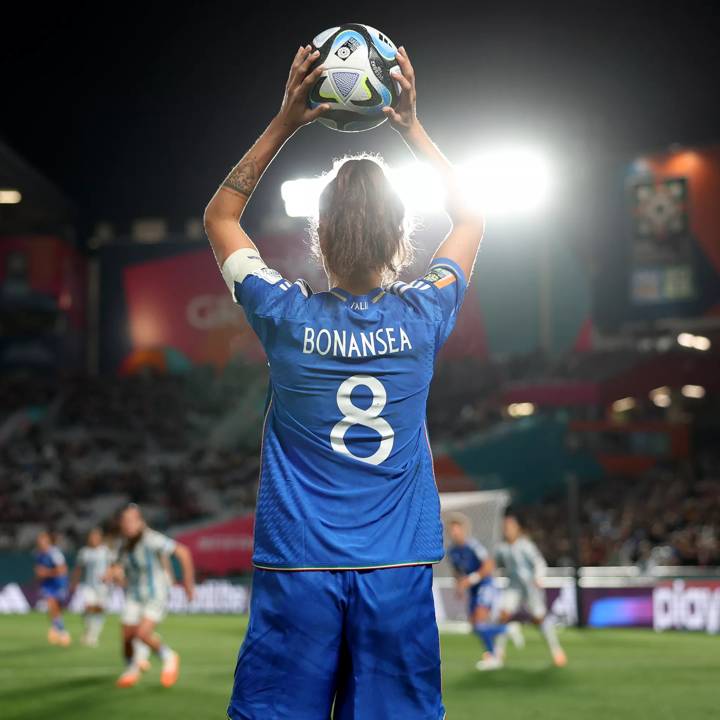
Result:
pixel 440 276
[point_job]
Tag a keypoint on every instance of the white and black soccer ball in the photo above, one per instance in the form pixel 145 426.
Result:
pixel 356 83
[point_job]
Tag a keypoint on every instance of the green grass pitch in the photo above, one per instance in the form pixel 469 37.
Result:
pixel 613 674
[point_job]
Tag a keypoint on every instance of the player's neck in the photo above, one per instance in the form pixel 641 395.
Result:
pixel 357 285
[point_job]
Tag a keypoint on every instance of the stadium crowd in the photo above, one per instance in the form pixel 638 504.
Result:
pixel 667 516
pixel 74 449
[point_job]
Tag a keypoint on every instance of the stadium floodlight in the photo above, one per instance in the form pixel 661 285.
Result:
pixel 693 391
pixel 696 342
pixel 419 187
pixel 661 396
pixel 301 196
pixel 701 343
pixel 501 182
pixel 10 197
pixel 506 181
pixel 521 409
pixel 623 404
pixel 685 339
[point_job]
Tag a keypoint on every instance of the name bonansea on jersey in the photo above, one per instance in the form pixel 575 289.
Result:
pixel 349 344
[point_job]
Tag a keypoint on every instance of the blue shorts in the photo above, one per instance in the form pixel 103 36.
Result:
pixel 56 593
pixel 481 595
pixel 365 640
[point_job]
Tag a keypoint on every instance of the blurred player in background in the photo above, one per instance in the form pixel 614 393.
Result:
pixel 142 568
pixel 52 571
pixel 347 493
pixel 90 571
pixel 525 568
pixel 474 569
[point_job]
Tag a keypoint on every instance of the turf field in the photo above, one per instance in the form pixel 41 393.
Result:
pixel 613 674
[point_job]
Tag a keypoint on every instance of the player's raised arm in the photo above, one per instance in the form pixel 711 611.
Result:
pixel 462 243
pixel 225 209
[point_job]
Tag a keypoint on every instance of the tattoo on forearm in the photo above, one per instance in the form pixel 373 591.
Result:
pixel 243 177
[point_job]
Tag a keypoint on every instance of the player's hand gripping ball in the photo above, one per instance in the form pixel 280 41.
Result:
pixel 356 83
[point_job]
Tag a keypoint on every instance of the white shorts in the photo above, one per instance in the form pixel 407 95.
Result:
pixel 524 597
pixel 95 595
pixel 137 610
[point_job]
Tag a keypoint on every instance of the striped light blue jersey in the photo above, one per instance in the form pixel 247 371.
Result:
pixel 346 469
pixel 94 562
pixel 145 570
pixel 522 561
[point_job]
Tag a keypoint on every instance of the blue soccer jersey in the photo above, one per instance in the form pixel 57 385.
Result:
pixel 52 559
pixel 469 558
pixel 346 470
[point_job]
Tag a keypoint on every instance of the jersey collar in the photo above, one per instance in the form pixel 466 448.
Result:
pixel 373 296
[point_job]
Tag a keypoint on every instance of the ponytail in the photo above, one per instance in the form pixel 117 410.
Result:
pixel 362 224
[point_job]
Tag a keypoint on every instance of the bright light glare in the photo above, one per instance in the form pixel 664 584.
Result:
pixel 697 342
pixel 301 196
pixel 661 396
pixel 521 409
pixel 10 197
pixel 685 339
pixel 693 391
pixel 623 404
pixel 502 182
pixel 701 343
pixel 506 181
pixel 418 187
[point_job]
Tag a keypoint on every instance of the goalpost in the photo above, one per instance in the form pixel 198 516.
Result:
pixel 485 510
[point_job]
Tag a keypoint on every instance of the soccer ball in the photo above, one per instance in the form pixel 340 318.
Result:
pixel 356 83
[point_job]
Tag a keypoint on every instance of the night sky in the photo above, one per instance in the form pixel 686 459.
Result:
pixel 140 110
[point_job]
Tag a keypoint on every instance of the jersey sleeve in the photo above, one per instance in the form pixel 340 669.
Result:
pixel 480 551
pixel 538 561
pixel 438 294
pixel 57 557
pixel 160 543
pixel 264 294
pixel 81 559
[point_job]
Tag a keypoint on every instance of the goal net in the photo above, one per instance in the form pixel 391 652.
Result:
pixel 484 510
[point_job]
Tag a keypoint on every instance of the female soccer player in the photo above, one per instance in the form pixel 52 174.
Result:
pixel 52 571
pixel 347 493
pixel 142 568
pixel 474 569
pixel 525 567
pixel 93 561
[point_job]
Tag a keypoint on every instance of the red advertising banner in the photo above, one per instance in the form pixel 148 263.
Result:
pixel 182 302
pixel 222 548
